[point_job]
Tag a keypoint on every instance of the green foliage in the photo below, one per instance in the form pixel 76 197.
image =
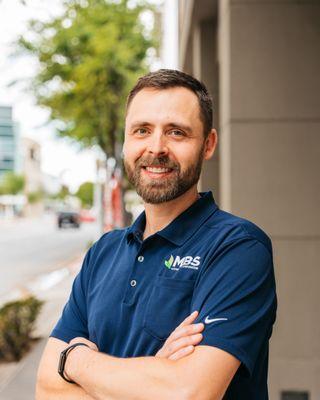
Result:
pixel 89 59
pixel 63 193
pixel 34 197
pixel 85 194
pixel 11 183
pixel 17 320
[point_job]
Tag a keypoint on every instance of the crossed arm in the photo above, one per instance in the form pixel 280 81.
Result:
pixel 203 374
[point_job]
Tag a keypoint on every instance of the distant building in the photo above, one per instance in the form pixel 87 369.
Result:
pixel 31 165
pixel 31 169
pixel 8 141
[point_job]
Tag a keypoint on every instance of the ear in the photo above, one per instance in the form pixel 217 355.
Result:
pixel 210 144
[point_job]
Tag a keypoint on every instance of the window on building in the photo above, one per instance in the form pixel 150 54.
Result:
pixel 6 150
pixel 293 395
pixel 6 142
pixel 6 130
pixel 6 164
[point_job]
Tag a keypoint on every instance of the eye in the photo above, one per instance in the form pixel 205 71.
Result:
pixel 177 133
pixel 141 131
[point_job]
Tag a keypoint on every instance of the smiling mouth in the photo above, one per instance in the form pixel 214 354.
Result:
pixel 157 171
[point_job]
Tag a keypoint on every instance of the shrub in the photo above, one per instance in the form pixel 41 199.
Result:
pixel 17 320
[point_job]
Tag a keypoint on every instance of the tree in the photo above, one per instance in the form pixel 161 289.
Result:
pixel 89 58
pixel 63 193
pixel 36 196
pixel 85 194
pixel 11 183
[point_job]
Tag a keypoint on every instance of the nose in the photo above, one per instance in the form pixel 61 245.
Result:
pixel 157 144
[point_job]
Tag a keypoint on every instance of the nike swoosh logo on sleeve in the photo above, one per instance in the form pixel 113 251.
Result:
pixel 209 321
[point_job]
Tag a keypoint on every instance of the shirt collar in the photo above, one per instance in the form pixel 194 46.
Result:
pixel 184 225
pixel 137 228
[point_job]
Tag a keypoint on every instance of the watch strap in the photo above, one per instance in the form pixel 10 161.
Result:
pixel 63 358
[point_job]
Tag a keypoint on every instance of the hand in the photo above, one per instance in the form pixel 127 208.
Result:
pixel 183 339
pixel 92 345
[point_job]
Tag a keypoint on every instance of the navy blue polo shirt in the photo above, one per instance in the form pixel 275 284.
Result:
pixel 132 293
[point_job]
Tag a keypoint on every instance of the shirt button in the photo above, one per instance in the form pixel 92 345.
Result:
pixel 140 258
pixel 133 283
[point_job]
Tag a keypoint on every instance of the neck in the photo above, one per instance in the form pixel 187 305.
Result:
pixel 158 216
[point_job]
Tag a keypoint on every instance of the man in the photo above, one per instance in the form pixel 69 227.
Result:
pixel 128 317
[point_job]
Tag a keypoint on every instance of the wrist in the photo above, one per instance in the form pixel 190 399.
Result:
pixel 64 356
pixel 74 362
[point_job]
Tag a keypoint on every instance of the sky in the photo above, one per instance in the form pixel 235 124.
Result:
pixel 59 157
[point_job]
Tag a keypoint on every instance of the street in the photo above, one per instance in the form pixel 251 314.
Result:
pixel 33 247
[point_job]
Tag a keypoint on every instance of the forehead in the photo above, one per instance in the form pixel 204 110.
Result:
pixel 164 105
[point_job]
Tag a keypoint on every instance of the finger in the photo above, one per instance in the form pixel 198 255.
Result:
pixel 185 331
pixel 182 353
pixel 182 343
pixel 162 353
pixel 186 322
pixel 189 319
pixel 169 349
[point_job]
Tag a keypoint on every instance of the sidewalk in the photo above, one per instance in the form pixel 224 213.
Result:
pixel 17 380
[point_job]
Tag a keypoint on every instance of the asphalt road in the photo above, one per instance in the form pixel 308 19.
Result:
pixel 33 247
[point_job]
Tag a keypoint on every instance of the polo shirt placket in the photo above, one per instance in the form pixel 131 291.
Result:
pixel 140 267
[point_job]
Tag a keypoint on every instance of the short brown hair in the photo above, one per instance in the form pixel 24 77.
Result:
pixel 169 78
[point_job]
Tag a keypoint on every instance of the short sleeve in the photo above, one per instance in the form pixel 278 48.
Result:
pixel 73 321
pixel 236 299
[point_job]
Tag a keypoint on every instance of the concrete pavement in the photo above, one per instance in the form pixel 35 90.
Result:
pixel 17 380
pixel 33 247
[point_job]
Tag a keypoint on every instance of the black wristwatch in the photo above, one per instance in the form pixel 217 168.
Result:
pixel 63 358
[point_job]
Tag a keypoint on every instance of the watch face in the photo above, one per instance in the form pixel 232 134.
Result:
pixel 62 361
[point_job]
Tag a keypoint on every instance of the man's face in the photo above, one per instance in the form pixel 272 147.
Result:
pixel 164 143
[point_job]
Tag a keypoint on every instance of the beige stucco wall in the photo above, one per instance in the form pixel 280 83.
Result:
pixel 268 89
pixel 269 53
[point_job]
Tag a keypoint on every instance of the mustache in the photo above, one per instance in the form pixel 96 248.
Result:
pixel 164 162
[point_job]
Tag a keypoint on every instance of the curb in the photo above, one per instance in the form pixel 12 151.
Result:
pixel 54 289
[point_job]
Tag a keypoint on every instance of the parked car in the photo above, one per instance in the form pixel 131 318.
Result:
pixel 68 219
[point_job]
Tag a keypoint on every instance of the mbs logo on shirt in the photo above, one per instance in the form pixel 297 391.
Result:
pixel 177 262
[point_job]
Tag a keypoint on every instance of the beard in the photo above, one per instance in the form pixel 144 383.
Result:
pixel 161 190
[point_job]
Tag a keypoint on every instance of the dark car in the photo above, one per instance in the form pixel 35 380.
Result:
pixel 68 219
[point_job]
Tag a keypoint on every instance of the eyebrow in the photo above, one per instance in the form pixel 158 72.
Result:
pixel 170 125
